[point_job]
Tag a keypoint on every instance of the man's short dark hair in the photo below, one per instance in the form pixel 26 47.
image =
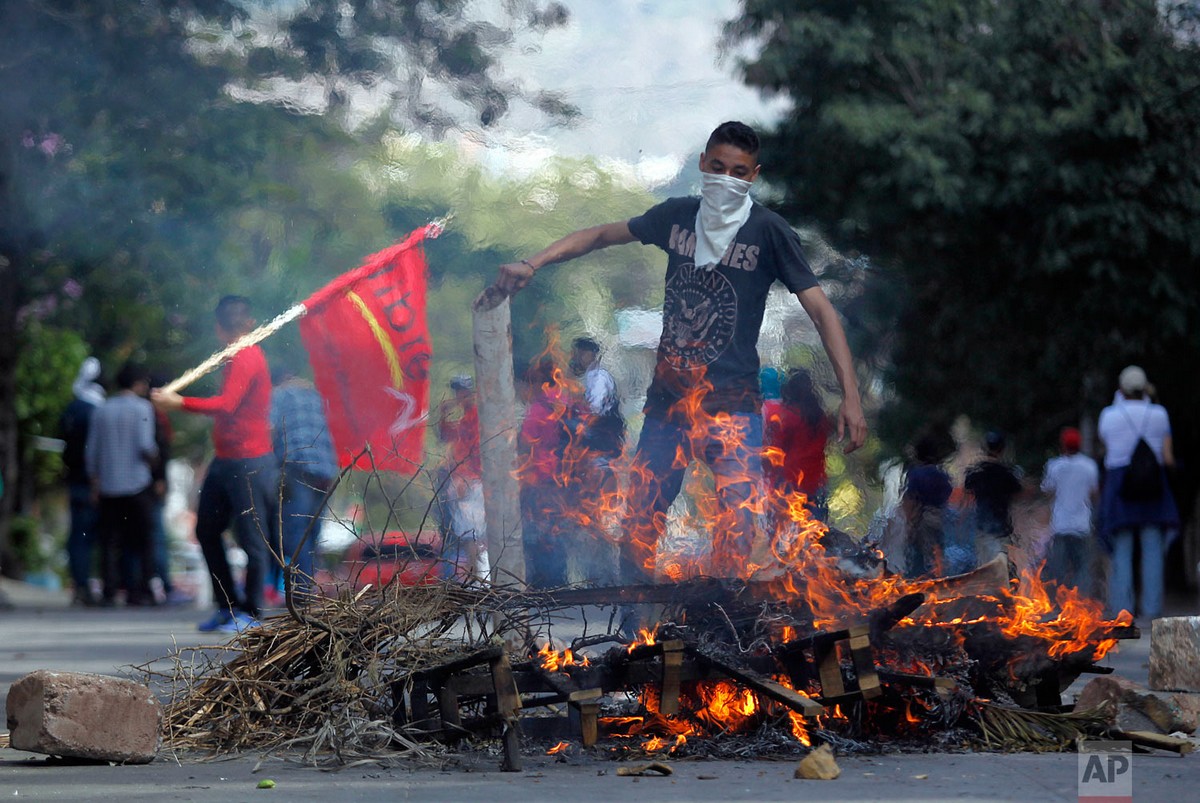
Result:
pixel 587 344
pixel 734 133
pixel 234 314
pixel 130 374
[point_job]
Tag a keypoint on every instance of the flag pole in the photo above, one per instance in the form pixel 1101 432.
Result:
pixel 431 230
pixel 249 339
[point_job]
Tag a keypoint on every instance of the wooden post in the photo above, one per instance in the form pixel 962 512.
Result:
pixel 498 438
pixel 508 705
pixel 589 723
pixel 672 658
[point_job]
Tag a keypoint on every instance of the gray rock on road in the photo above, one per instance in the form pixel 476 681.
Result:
pixel 81 715
pixel 1175 654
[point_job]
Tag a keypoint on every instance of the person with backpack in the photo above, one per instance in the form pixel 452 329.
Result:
pixel 1137 504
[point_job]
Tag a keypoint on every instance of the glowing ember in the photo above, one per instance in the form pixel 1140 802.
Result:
pixel 654 744
pixel 727 705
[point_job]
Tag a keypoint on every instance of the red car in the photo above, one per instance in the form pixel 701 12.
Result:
pixel 404 558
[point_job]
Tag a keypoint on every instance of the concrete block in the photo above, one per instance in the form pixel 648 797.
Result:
pixel 84 716
pixel 1175 654
pixel 1136 708
pixel 1190 705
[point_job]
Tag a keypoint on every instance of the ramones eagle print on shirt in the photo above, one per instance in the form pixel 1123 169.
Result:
pixel 712 317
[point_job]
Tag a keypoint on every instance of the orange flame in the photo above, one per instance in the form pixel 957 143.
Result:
pixel 654 744
pixel 555 661
pixel 646 637
pixel 1056 622
pixel 558 748
pixel 726 705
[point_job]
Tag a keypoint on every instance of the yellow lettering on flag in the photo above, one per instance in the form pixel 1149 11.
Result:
pixel 381 336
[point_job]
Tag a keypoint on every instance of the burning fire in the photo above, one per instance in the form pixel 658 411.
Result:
pixel 654 744
pixel 555 661
pixel 726 705
pixel 1056 622
pixel 558 748
pixel 645 638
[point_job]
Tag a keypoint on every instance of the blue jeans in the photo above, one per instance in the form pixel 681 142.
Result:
pixel 544 535
pixel 1153 545
pixel 238 492
pixel 302 504
pixel 732 449
pixel 81 539
pixel 1069 559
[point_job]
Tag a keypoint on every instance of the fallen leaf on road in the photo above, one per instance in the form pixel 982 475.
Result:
pixel 653 768
pixel 819 765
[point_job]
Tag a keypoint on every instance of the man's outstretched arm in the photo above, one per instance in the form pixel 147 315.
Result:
pixel 515 275
pixel 850 421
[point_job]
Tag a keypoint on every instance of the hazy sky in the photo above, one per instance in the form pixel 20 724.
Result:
pixel 647 76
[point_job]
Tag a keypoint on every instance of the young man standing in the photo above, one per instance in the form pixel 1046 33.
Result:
pixel 73 426
pixel 1148 522
pixel 242 480
pixel 1073 479
pixel 600 439
pixel 307 466
pixel 994 484
pixel 723 254
pixel 603 430
pixel 119 454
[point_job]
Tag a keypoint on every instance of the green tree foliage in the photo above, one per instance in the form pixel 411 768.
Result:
pixel 50 359
pixel 1023 175
pixel 133 164
pixel 448 66
pixel 501 219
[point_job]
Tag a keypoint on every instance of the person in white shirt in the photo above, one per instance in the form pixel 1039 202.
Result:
pixel 1073 479
pixel 1151 522
pixel 601 429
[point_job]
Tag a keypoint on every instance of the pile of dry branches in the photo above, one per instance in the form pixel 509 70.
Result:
pixel 320 680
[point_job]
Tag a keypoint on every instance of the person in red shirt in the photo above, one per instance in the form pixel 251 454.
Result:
pixel 542 440
pixel 795 432
pixel 465 492
pixel 242 479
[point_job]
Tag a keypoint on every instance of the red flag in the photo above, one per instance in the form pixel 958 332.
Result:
pixel 368 342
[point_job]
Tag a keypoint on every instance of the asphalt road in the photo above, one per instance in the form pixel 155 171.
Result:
pixel 42 632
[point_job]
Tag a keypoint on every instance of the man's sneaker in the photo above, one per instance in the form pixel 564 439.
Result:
pixel 239 623
pixel 219 618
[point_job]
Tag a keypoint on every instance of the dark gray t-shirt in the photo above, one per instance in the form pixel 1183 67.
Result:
pixel 711 318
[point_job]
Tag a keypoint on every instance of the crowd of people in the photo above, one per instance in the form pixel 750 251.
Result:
pixel 273 462
pixel 708 402
pixel 571 432
pixel 1102 522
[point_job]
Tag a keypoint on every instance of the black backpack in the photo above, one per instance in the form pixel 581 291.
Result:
pixel 1143 480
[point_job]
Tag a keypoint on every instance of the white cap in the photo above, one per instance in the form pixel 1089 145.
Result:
pixel 1132 380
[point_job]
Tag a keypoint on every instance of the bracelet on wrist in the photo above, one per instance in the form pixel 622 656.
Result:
pixel 532 267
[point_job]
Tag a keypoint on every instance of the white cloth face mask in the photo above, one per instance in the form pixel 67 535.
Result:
pixel 724 207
